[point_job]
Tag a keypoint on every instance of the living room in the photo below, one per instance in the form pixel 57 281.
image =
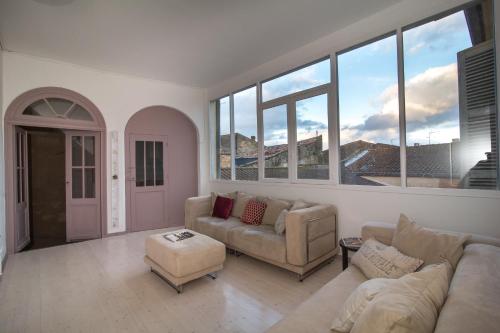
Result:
pixel 284 136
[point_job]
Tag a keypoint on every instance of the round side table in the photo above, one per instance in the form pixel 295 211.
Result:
pixel 349 244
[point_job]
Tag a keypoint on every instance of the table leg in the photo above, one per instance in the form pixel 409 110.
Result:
pixel 345 258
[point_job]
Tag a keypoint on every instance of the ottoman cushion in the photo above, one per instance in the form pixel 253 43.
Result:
pixel 185 257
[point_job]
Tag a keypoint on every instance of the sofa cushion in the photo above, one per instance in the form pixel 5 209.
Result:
pixel 273 209
pixel 407 305
pixel 214 195
pixel 430 246
pixel 378 260
pixel 240 203
pixel 356 303
pixel 279 226
pixel 223 207
pixel 314 315
pixel 473 302
pixel 216 227
pixel 253 213
pixel 259 240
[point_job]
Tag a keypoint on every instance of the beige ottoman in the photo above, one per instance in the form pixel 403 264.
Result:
pixel 183 261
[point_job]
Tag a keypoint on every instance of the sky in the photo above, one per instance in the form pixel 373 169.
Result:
pixel 368 91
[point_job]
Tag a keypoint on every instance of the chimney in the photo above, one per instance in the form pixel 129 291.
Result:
pixel 252 137
pixel 416 144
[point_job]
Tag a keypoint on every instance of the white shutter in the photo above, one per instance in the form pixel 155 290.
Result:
pixel 478 116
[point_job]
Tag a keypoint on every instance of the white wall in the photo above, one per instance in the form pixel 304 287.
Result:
pixel 117 96
pixel 2 187
pixel 466 211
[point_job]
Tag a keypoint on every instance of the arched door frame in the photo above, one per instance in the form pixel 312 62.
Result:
pixel 14 117
pixel 128 133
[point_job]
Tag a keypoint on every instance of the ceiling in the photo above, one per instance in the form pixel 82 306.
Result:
pixel 191 42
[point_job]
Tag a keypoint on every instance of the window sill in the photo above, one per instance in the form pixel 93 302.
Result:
pixel 487 194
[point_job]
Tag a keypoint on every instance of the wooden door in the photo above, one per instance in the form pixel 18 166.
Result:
pixel 22 198
pixel 83 185
pixel 148 182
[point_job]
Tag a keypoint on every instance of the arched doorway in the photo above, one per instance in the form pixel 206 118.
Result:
pixel 84 146
pixel 161 160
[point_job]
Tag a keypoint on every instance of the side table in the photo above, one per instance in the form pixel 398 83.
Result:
pixel 349 244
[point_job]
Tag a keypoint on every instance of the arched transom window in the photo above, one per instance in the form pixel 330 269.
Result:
pixel 57 108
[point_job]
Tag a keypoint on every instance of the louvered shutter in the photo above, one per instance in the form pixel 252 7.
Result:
pixel 478 116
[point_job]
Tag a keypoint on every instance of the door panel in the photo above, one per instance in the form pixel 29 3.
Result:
pixel 83 185
pixel 148 182
pixel 21 189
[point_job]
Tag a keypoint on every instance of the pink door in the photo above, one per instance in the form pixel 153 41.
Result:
pixel 83 185
pixel 148 182
pixel 22 198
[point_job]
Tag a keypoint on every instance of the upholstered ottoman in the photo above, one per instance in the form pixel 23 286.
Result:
pixel 183 261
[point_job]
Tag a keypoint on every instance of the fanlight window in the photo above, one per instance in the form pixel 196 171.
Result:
pixel 58 108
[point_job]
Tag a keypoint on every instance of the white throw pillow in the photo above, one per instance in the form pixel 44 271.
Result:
pixel 377 260
pixel 300 204
pixel 357 302
pixel 409 304
pixel 279 226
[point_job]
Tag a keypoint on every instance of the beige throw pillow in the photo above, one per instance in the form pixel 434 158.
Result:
pixel 273 209
pixel 430 246
pixel 356 303
pixel 409 304
pixel 377 260
pixel 280 225
pixel 240 203
pixel 231 195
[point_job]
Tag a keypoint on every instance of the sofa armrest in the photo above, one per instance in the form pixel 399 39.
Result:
pixel 308 225
pixel 196 207
pixel 381 231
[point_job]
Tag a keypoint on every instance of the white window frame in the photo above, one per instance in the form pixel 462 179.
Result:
pixel 331 89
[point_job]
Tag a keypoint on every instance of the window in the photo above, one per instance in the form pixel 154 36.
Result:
pixel 369 114
pixel 312 137
pixel 223 138
pixel 245 134
pixel 57 108
pixel 450 101
pixel 276 142
pixel 301 79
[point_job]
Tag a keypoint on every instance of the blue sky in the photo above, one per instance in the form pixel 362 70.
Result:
pixel 368 100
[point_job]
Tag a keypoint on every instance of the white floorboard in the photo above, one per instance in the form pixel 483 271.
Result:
pixel 104 286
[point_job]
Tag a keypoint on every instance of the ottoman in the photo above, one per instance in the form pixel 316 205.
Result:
pixel 183 261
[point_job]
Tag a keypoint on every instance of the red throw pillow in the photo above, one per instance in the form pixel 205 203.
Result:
pixel 223 207
pixel 254 212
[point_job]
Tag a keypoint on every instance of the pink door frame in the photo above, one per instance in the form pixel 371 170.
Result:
pixel 14 117
pixel 146 122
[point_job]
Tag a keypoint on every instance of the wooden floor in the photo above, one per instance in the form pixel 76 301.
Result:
pixel 104 286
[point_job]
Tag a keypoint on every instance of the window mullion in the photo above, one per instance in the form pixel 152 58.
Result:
pixel 260 134
pixel 401 99
pixel 232 137
pixel 292 140
pixel 333 124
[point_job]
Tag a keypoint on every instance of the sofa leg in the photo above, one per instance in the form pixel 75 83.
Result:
pixel 300 277
pixel 236 253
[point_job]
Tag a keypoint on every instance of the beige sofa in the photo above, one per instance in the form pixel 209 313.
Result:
pixel 472 305
pixel 310 238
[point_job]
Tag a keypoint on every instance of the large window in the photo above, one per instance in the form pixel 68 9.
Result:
pixel 369 114
pixel 223 138
pixel 312 137
pixel 276 142
pixel 450 101
pixel 245 134
pixel 301 79
pixel 415 107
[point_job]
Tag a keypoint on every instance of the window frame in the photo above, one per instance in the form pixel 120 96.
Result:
pixel 331 88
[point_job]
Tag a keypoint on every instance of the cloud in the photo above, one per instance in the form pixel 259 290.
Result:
pixel 310 125
pixel 298 80
pixel 431 100
pixel 435 35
